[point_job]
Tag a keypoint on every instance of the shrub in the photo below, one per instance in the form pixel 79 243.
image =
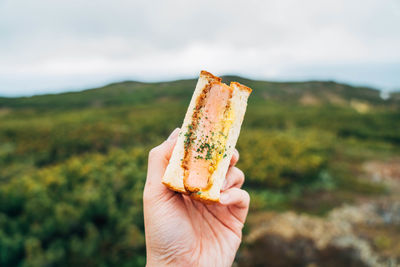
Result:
pixel 86 211
pixel 282 159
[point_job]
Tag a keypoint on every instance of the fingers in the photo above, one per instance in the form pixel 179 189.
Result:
pixel 235 158
pixel 234 178
pixel 235 196
pixel 238 200
pixel 159 158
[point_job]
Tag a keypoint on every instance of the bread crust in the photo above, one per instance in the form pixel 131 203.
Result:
pixel 204 199
pixel 210 76
pixel 174 188
pixel 241 87
pixel 196 196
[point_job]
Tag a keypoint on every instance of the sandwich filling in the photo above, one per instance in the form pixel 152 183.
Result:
pixel 206 136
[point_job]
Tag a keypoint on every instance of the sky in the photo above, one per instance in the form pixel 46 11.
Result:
pixel 49 46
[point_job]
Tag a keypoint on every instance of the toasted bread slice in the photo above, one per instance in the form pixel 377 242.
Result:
pixel 207 138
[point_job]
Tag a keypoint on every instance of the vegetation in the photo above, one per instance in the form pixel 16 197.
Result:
pixel 72 166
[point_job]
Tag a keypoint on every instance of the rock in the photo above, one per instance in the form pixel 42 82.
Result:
pixel 363 234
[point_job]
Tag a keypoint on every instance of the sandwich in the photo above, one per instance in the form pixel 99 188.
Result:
pixel 207 138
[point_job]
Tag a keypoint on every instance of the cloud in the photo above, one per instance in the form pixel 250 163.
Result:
pixel 48 46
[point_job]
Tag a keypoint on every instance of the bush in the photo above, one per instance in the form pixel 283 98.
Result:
pixel 282 159
pixel 86 211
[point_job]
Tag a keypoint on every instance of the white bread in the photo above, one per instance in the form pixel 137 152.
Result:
pixel 173 177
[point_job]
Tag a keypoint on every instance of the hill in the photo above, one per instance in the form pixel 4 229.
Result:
pixel 137 93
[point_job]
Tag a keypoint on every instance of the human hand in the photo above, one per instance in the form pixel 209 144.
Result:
pixel 181 231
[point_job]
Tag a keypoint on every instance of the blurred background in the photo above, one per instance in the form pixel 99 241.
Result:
pixel 88 88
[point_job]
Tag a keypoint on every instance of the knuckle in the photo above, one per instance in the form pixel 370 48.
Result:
pixel 246 197
pixel 146 196
pixel 239 173
pixel 237 153
pixel 153 152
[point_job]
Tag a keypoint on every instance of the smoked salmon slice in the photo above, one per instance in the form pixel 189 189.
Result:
pixel 205 146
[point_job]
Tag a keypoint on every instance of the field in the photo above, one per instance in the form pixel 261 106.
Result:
pixel 72 169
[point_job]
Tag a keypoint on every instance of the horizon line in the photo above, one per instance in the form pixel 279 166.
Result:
pixel 92 86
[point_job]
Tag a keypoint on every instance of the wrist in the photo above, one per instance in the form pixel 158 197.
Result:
pixel 164 260
pixel 151 262
pixel 154 261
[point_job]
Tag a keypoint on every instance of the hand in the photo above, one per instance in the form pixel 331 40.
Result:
pixel 181 231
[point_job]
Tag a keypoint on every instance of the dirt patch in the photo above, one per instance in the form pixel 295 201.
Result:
pixel 309 100
pixel 351 235
pixel 4 111
pixel 363 233
pixel 381 171
pixel 335 99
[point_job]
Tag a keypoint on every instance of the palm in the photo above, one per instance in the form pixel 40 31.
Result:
pixel 199 232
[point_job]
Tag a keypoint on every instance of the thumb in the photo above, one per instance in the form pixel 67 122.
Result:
pixel 159 158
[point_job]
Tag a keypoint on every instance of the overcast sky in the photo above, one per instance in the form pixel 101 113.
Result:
pixel 52 46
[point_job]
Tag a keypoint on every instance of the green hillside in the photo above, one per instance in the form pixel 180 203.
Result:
pixel 72 165
pixel 135 93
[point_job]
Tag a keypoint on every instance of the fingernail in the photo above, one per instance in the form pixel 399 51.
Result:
pixel 173 135
pixel 223 198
